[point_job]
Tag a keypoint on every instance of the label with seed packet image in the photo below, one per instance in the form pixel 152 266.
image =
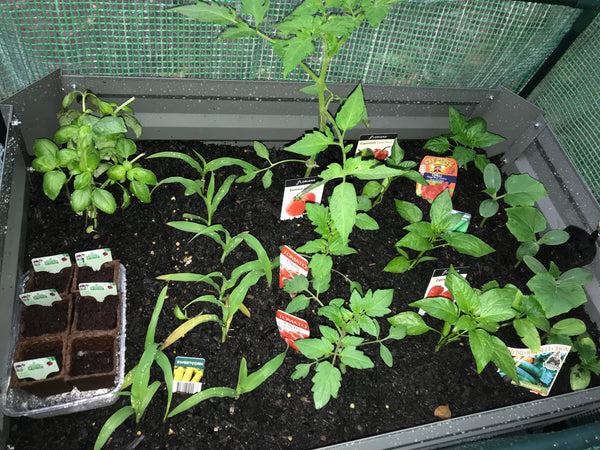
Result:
pixel 187 373
pixel 440 174
pixel 294 201
pixel 537 371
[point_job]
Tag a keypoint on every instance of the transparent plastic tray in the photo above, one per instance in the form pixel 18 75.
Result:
pixel 17 402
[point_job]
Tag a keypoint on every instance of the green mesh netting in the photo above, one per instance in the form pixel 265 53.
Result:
pixel 453 43
pixel 570 97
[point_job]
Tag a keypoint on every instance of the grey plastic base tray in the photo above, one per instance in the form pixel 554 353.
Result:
pixel 17 402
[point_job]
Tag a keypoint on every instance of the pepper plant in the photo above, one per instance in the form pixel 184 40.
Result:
pixel 464 138
pixel 425 236
pixel 93 155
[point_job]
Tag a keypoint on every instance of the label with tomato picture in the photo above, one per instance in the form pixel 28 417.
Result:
pixel 378 146
pixel 290 264
pixel 93 258
pixel 291 328
pixel 440 174
pixel 97 290
pixel 51 264
pixel 294 200
pixel 437 284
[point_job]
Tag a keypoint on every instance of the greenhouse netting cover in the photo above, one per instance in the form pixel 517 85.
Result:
pixel 448 43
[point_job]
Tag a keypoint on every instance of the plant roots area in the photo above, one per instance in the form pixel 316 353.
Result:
pixel 280 413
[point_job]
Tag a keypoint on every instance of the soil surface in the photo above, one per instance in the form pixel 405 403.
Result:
pixel 280 413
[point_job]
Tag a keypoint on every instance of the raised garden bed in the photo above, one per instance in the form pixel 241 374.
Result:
pixel 382 394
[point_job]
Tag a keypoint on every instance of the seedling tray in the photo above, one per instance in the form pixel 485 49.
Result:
pixel 17 402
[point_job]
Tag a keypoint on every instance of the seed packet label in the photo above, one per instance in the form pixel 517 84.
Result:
pixel 291 328
pixel 378 146
pixel 537 371
pixel 290 264
pixel 294 201
pixel 38 369
pixel 440 174
pixel 437 284
pixel 51 264
pixel 463 225
pixel 43 298
pixel 93 258
pixel 187 373
pixel 97 290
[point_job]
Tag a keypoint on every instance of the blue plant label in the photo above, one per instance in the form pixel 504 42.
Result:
pixel 38 369
pixel 43 298
pixel 97 290
pixel 93 258
pixel 51 264
pixel 537 371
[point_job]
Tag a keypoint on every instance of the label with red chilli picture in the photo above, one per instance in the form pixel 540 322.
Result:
pixel 437 284
pixel 291 328
pixel 295 198
pixel 290 264
pixel 378 146
pixel 440 174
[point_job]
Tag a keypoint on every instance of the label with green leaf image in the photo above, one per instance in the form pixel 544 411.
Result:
pixel 97 290
pixel 93 258
pixel 51 264
pixel 38 369
pixel 43 298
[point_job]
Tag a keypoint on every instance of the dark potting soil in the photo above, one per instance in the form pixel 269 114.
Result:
pixel 280 413
pixel 88 275
pixel 90 362
pixel 37 320
pixel 95 315
pixel 46 280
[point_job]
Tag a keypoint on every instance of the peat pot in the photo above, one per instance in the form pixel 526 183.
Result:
pixel 275 113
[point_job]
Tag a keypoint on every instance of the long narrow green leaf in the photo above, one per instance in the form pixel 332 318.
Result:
pixel 222 192
pixel 226 161
pixel 139 386
pixel 185 327
pixel 177 155
pixel 150 391
pixel 191 186
pixel 261 254
pixel 163 361
pixel 193 277
pixel 112 423
pixel 200 397
pixel 255 379
pixel 154 320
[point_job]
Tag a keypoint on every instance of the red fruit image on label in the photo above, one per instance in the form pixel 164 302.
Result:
pixel 297 206
pixel 431 191
pixel 435 291
pixel 447 294
pixel 380 154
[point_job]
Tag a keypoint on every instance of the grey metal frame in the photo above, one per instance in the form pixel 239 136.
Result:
pixel 239 111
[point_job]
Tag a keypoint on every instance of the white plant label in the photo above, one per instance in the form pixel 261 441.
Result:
pixel 51 264
pixel 93 258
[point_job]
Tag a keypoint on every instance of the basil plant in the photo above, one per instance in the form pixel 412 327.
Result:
pixel 89 153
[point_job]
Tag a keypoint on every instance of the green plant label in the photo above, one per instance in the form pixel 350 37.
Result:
pixel 43 298
pixel 378 146
pixel 51 264
pixel 97 290
pixel 291 328
pixel 437 284
pixel 290 264
pixel 537 371
pixel 93 258
pixel 187 373
pixel 440 174
pixel 463 225
pixel 295 199
pixel 38 369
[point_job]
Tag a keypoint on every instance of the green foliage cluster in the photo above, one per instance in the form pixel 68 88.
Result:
pixel 94 147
